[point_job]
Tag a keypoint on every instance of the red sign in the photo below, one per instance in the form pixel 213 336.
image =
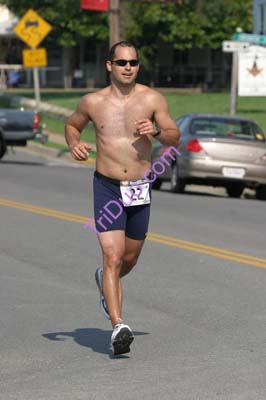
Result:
pixel 95 5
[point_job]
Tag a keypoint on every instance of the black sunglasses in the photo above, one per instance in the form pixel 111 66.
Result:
pixel 123 63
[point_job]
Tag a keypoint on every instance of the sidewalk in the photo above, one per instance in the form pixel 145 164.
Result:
pixel 38 149
pixel 60 139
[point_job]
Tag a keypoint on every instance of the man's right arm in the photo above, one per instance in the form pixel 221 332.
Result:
pixel 74 125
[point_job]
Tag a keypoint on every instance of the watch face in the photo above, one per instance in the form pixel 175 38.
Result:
pixel 157 131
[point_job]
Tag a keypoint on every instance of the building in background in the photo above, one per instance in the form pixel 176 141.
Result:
pixel 259 17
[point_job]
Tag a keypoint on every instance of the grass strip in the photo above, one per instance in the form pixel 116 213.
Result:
pixel 179 104
pixel 57 125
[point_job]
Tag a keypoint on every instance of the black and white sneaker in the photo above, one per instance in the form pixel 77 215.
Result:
pixel 121 339
pixel 99 279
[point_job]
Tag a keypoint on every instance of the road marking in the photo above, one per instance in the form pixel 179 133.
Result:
pixel 244 259
pixel 49 212
pixel 152 236
pixel 157 236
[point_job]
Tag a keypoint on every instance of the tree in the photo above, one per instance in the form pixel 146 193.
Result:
pixel 195 23
pixel 184 24
pixel 69 22
pixel 69 25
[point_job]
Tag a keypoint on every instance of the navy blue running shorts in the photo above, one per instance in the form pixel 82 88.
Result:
pixel 110 214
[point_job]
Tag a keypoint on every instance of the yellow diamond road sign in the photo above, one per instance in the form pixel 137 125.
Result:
pixel 34 57
pixel 32 28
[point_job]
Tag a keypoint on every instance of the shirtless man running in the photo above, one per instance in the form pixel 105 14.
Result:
pixel 126 115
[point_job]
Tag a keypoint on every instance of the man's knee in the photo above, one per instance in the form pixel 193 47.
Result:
pixel 112 260
pixel 130 260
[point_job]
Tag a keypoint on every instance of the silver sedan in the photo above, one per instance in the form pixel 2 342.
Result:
pixel 216 150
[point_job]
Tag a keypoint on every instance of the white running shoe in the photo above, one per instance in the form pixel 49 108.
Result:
pixel 121 339
pixel 99 279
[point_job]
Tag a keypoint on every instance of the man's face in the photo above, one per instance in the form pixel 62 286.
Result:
pixel 123 74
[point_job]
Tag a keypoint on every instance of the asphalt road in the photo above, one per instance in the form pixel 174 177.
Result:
pixel 196 301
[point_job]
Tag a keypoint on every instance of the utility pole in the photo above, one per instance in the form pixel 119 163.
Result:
pixel 114 22
pixel 234 47
pixel 234 81
pixel 36 87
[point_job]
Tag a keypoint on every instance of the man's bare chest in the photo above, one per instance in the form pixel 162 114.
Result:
pixel 120 117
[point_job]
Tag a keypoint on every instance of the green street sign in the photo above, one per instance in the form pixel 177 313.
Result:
pixel 250 38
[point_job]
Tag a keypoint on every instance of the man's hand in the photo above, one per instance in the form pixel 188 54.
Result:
pixel 145 127
pixel 80 151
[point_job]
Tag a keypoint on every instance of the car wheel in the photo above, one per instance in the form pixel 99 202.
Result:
pixel 261 192
pixel 2 146
pixel 177 183
pixel 156 184
pixel 235 191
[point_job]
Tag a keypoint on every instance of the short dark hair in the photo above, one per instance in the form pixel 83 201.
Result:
pixel 123 43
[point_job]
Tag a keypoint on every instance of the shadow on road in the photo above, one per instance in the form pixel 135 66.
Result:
pixel 97 339
pixel 209 192
pixel 194 193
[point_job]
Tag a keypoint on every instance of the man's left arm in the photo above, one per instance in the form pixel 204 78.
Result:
pixel 164 129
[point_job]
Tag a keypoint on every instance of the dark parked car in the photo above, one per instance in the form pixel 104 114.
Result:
pixel 217 150
pixel 18 126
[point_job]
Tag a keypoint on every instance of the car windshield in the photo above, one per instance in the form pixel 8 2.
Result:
pixel 237 129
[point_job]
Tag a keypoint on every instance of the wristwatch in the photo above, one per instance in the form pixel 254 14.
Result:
pixel 157 131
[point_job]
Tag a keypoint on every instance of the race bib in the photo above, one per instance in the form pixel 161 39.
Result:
pixel 135 193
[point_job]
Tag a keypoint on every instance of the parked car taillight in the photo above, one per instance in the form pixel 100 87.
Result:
pixel 194 146
pixel 36 122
